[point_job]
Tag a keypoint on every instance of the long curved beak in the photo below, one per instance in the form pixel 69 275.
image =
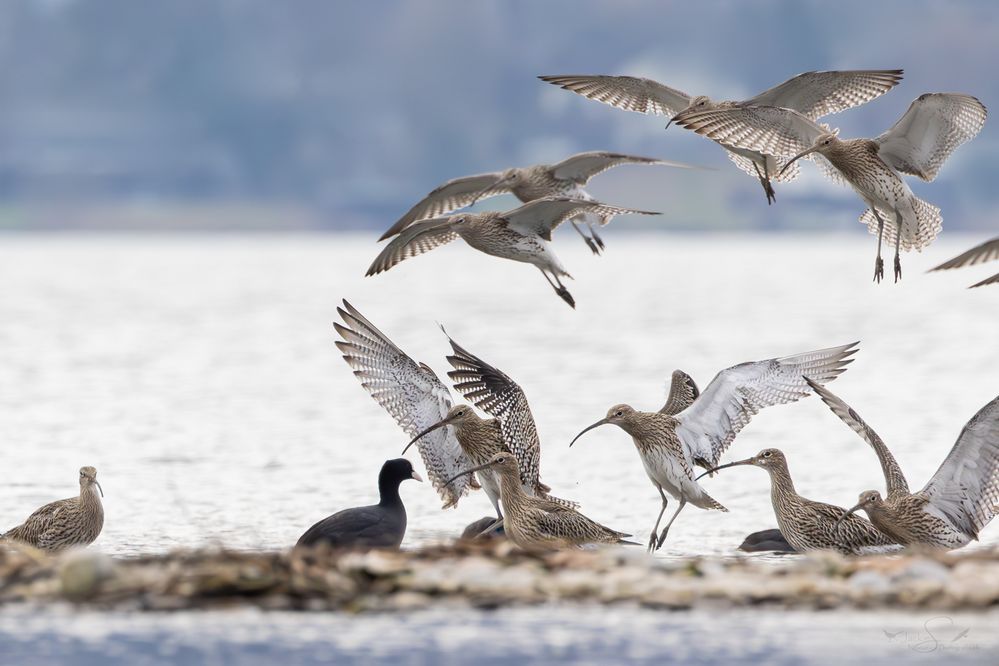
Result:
pixel 846 514
pixel 747 461
pixel 673 119
pixel 807 151
pixel 467 471
pixel 416 477
pixel 439 424
pixel 589 428
pixel 97 483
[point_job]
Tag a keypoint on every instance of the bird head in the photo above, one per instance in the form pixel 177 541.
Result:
pixel 88 478
pixel 619 415
pixel 822 144
pixel 455 416
pixel 699 103
pixel 504 462
pixel 767 459
pixel 867 500
pixel 398 470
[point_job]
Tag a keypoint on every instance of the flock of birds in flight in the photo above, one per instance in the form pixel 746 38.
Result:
pixel 765 136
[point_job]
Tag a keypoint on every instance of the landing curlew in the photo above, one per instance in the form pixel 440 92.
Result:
pixel 535 523
pixel 918 144
pixel 671 442
pixel 811 525
pixel 565 179
pixel 957 502
pixel 76 521
pixel 522 234
pixel 813 94
pixel 987 251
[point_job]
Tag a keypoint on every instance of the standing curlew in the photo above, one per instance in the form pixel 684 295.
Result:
pixel 76 521
pixel 381 525
pixel 522 234
pixel 536 523
pixel 813 94
pixel 918 144
pixel 670 444
pixel 811 525
pixel 957 502
pixel 565 179
pixel 512 430
pixel 987 251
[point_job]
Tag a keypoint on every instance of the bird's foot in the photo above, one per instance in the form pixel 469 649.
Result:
pixel 653 541
pixel 898 268
pixel 662 539
pixel 879 269
pixel 598 239
pixel 768 189
pixel 594 247
pixel 566 296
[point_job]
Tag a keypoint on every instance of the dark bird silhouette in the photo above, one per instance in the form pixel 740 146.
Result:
pixel 766 541
pixel 381 525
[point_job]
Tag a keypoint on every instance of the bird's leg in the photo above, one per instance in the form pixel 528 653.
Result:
pixel 655 530
pixel 576 224
pixel 560 289
pixel 879 264
pixel 662 537
pixel 898 243
pixel 593 232
pixel 768 189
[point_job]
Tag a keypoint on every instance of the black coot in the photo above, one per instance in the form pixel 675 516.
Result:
pixel 381 525
pixel 766 540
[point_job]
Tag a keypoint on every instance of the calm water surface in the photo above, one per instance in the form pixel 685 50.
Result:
pixel 199 375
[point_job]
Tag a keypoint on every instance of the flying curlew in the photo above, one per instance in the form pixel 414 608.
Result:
pixel 565 179
pixel 987 251
pixel 522 234
pixel 670 444
pixel 957 502
pixel 76 521
pixel 813 94
pixel 535 523
pixel 918 144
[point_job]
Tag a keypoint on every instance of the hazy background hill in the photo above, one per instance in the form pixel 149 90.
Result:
pixel 309 113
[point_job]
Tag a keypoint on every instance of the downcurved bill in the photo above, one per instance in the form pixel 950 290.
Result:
pixel 587 429
pixel 747 461
pixel 674 119
pixel 98 484
pixel 807 151
pixel 467 471
pixel 846 514
pixel 439 424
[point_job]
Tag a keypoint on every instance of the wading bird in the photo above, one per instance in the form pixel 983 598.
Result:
pixel 813 94
pixel 76 521
pixel 670 443
pixel 957 502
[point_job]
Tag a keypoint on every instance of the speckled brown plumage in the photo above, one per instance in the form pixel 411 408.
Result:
pixel 535 523
pixel 76 521
pixel 958 501
pixel 811 525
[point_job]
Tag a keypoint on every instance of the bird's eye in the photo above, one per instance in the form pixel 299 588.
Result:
pixel 619 414
pixel 766 454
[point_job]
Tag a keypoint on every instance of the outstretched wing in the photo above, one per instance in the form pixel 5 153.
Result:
pixel 500 397
pixel 815 94
pixel 990 280
pixel 411 393
pixel 765 129
pixel 583 166
pixel 413 241
pixel 931 129
pixel 450 196
pixel 966 487
pixel 682 393
pixel 625 92
pixel 894 478
pixel 710 424
pixel 987 251
pixel 541 216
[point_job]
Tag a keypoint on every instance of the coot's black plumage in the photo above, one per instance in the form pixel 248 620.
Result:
pixel 766 540
pixel 381 525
